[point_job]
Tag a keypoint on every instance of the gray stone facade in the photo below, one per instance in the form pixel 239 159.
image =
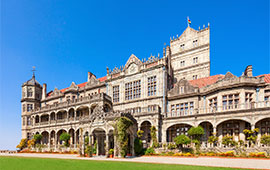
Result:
pixel 172 93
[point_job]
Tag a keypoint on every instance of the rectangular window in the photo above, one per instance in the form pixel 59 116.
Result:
pixel 230 101
pixel 195 60
pixel 23 107
pixel 29 92
pixel 23 119
pixel 29 107
pixel 213 104
pixel 191 107
pixel 195 77
pixel 182 63
pixel 182 46
pixel 152 86
pixel 172 110
pixel 133 90
pixel 195 43
pixel 28 121
pixel 116 93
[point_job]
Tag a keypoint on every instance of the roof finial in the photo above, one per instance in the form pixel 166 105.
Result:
pixel 34 69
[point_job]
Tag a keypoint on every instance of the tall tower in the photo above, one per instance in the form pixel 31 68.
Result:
pixel 190 54
pixel 31 96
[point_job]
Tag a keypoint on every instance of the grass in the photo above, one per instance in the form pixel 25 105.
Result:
pixel 22 163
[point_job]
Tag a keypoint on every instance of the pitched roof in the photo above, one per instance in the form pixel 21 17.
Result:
pixel 80 85
pixel 205 81
pixel 266 77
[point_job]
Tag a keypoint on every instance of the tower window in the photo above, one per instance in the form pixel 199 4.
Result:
pixel 29 92
pixel 152 83
pixel 29 107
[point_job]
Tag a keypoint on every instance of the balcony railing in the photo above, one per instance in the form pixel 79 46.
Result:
pixel 100 96
pixel 218 109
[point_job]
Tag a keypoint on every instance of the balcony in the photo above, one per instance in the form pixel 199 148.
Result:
pixel 82 100
pixel 219 109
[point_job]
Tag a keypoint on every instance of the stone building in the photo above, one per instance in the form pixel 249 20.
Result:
pixel 173 93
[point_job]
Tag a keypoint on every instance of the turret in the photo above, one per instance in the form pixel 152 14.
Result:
pixel 31 96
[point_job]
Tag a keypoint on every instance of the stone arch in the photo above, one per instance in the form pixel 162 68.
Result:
pixel 98 128
pixel 60 115
pixel 82 111
pixel 52 116
pixel 264 125
pixel 208 129
pixel 99 135
pixel 45 137
pixel 37 119
pixel 71 113
pixel 140 123
pixel 58 134
pixel 71 132
pixel 176 130
pixel 44 117
pixel 236 118
pixel 233 127
pixel 92 107
pixel 52 137
pixel 145 126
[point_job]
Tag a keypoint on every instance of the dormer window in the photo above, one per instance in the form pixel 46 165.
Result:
pixel 195 43
pixel 195 60
pixel 182 63
pixel 182 46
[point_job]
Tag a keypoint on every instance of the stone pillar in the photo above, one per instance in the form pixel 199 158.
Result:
pixel 132 145
pixel 115 146
pixel 49 141
pixel 97 146
pixel 163 136
pixel 91 143
pixel 107 145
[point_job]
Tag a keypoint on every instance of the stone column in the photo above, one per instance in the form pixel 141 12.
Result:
pixel 91 144
pixel 132 145
pixel 97 146
pixel 49 140
pixel 107 145
pixel 163 136
pixel 115 146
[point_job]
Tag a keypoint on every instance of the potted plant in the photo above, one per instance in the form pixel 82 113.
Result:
pixel 111 151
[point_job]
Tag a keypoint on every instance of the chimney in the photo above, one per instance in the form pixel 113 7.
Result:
pixel 44 91
pixel 248 71
pixel 90 75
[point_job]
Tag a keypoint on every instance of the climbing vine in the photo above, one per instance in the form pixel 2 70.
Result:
pixel 153 130
pixel 121 127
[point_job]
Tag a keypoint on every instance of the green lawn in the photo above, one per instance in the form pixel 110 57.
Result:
pixel 20 163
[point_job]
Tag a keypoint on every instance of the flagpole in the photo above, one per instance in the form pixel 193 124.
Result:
pixel 187 21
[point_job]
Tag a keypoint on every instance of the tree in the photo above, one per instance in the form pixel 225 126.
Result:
pixel 196 132
pixel 22 144
pixel 265 140
pixel 228 141
pixel 37 138
pixel 65 137
pixel 182 140
pixel 153 130
pixel 140 133
pixel 31 143
pixel 251 135
pixel 138 145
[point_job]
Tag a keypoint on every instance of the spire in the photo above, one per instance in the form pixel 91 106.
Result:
pixel 33 70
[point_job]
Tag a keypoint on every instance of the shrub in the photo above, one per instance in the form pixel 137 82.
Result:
pixel 140 133
pixel 170 153
pixel 86 140
pixel 138 146
pixel 171 146
pixel 265 140
pixel 37 138
pixel 65 137
pixel 228 141
pixel 88 150
pixel 181 140
pixel 251 135
pixel 228 153
pixel 150 151
pixel 111 151
pixel 31 143
pixel 95 148
pixel 258 154
pixel 22 144
pixel 212 139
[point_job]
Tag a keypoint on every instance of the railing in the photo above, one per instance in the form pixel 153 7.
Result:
pixel 218 109
pixel 100 96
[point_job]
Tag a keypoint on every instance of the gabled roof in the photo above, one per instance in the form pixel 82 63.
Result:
pixel 266 77
pixel 102 79
pixel 205 81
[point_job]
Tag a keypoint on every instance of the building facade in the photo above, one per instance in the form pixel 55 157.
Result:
pixel 173 93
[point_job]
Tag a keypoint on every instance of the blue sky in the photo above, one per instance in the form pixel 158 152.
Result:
pixel 66 39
